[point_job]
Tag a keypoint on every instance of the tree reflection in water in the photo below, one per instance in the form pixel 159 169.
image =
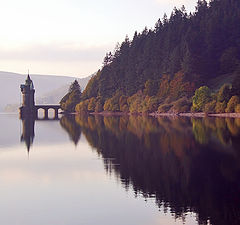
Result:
pixel 73 130
pixel 189 165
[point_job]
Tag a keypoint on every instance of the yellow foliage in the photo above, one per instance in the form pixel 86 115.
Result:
pixel 237 108
pixel 233 102
pixel 82 106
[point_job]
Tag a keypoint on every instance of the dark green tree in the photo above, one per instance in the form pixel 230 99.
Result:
pixel 236 82
pixel 74 87
pixel 72 98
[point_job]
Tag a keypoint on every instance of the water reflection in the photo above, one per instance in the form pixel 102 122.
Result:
pixel 189 165
pixel 73 130
pixel 28 132
pixel 28 129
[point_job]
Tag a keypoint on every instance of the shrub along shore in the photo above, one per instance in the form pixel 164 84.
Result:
pixel 224 102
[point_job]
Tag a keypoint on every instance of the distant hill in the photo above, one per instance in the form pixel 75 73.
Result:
pixel 49 88
pixel 53 96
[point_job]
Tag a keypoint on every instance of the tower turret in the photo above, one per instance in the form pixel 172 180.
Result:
pixel 28 103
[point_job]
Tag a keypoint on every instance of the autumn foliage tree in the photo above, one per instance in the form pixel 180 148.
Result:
pixel 201 97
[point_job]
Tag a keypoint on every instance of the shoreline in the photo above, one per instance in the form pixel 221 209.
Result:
pixel 155 114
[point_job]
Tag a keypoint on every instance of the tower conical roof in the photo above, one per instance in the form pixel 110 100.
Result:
pixel 28 80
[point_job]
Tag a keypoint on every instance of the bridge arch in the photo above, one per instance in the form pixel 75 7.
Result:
pixel 46 108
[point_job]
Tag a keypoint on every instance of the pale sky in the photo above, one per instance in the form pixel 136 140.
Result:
pixel 71 37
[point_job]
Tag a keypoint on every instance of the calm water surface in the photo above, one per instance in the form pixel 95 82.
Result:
pixel 119 170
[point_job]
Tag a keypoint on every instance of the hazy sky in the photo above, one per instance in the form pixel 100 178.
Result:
pixel 71 37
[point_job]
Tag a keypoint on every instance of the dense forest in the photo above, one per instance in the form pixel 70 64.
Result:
pixel 187 62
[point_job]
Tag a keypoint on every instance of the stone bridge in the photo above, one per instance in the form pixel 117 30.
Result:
pixel 28 108
pixel 46 108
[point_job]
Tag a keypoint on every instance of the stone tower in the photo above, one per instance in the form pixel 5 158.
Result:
pixel 28 103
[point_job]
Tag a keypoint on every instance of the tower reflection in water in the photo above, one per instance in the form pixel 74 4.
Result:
pixel 28 131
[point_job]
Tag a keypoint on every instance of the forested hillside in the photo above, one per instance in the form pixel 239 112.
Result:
pixel 187 62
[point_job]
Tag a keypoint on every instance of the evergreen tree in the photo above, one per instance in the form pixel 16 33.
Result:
pixel 74 87
pixel 72 98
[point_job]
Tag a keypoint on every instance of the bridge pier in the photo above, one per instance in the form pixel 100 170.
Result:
pixel 55 113
pixel 45 114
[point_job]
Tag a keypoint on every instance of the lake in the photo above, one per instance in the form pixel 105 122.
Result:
pixel 119 171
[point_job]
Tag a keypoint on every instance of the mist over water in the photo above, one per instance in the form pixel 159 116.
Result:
pixel 119 170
